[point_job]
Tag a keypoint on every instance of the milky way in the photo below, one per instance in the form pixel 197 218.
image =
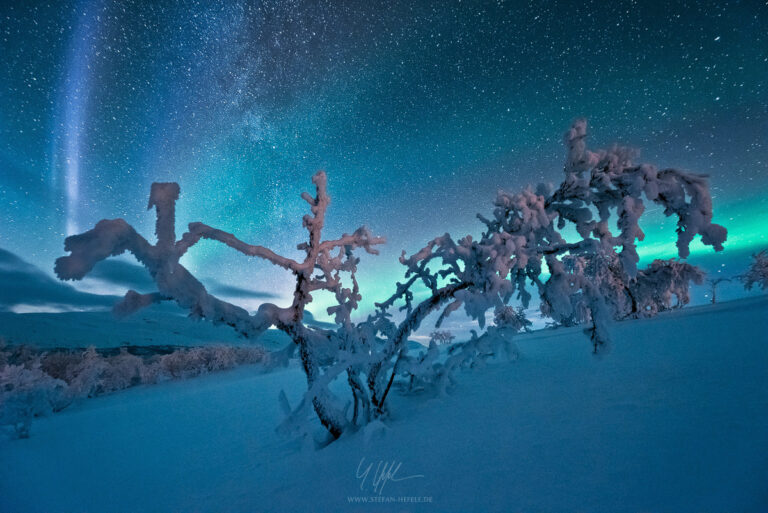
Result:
pixel 418 111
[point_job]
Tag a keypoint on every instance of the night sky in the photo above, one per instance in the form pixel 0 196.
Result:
pixel 418 111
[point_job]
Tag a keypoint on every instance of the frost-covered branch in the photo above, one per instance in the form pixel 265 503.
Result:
pixel 199 231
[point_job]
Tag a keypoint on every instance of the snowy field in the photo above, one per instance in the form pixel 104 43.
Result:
pixel 674 418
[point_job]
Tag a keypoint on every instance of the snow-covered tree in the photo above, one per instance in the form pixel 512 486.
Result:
pixel 441 337
pixel 509 317
pixel 523 238
pixel 757 274
pixel 664 280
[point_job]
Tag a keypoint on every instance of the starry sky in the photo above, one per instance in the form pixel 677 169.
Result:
pixel 418 112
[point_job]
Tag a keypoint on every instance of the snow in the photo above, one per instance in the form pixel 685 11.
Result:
pixel 675 418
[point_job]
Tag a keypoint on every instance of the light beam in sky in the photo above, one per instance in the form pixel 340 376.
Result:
pixel 77 87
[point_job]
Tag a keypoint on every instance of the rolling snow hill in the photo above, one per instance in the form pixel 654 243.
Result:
pixel 155 325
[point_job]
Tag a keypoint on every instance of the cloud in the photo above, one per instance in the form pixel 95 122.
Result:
pixel 221 289
pixel 310 320
pixel 124 274
pixel 26 288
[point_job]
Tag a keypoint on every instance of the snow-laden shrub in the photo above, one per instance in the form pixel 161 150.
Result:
pixel 60 364
pixel 27 392
pixel 511 318
pixel 88 376
pixel 220 357
pixel 3 353
pixel 18 355
pixel 184 363
pixel 663 285
pixel 757 274
pixel 199 360
pixel 152 372
pixel 250 354
pixel 441 337
pixel 123 371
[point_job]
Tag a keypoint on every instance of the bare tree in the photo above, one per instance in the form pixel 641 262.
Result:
pixel 713 283
pixel 509 317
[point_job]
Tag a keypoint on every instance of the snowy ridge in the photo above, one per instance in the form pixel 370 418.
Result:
pixel 157 325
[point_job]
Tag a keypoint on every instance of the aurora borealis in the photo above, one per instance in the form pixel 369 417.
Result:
pixel 418 111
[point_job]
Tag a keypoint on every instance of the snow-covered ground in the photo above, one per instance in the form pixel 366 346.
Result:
pixel 674 419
